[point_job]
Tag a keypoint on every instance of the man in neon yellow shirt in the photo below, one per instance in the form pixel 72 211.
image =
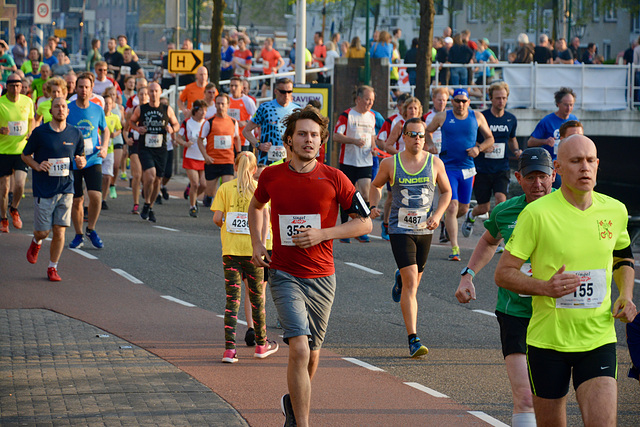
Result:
pixel 16 124
pixel 577 241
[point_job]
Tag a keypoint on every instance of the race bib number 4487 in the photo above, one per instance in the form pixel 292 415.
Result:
pixel 290 225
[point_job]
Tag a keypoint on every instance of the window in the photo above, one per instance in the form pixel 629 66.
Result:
pixel 547 21
pixel 472 12
pixel 596 10
pixel 606 49
pixel 439 6
pixel 532 19
pixel 611 15
pixel 10 2
pixel 635 23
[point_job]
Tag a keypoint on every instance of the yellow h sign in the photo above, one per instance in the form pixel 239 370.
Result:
pixel 185 61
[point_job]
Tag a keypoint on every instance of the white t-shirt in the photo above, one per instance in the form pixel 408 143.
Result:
pixel 192 130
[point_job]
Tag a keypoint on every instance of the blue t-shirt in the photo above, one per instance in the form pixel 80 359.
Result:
pixel 379 50
pixel 484 56
pixel 503 129
pixel 89 120
pixel 59 148
pixel 228 57
pixel 550 126
pixel 458 136
pixel 270 117
pixel 379 120
pixel 50 61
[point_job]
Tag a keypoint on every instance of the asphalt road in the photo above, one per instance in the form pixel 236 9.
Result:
pixel 181 256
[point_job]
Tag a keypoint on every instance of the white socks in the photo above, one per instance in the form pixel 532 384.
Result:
pixel 37 242
pixel 525 419
pixel 53 264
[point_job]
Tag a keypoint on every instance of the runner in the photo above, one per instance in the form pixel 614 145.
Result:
pixel 49 152
pixel 118 141
pixel 132 139
pixel 192 159
pixel 193 91
pixel 55 87
pixel 577 241
pixel 304 196
pixel 153 121
pixel 16 124
pixel 493 164
pixel 413 174
pixel 459 131
pixel 355 130
pixel 270 119
pixel 115 129
pixel 230 214
pixel 535 175
pixel 89 118
pixel 223 139
pixel 241 108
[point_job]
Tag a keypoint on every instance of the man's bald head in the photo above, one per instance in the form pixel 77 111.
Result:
pixel 577 164
pixel 573 143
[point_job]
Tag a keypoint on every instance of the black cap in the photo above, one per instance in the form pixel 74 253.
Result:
pixel 535 159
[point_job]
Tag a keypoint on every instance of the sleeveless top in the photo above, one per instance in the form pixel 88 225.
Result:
pixel 457 136
pixel 155 119
pixel 412 196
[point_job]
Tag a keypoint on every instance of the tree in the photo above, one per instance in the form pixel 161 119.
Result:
pixel 423 66
pixel 217 24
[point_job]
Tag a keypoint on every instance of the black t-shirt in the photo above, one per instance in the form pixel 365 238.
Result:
pixel 565 55
pixel 541 54
pixel 503 129
pixel 114 58
pixel 60 148
pixel 155 119
pixel 128 69
pixel 460 54
pixel 628 56
pixel 442 54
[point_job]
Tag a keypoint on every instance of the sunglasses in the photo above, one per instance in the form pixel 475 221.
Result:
pixel 460 101
pixel 414 134
pixel 284 92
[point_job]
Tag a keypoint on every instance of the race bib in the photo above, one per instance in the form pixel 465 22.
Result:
pixel 59 167
pixel 237 222
pixel 124 70
pixel 526 269
pixel 193 137
pixel 88 146
pixel 276 153
pixel 555 147
pixel 497 153
pixel 234 113
pixel 222 142
pixel 290 225
pixel 153 140
pixel 590 293
pixel 412 219
pixel 17 128
pixel 437 141
pixel 468 173
pixel 366 138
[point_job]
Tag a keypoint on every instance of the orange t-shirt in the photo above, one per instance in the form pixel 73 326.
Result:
pixel 192 92
pixel 241 109
pixel 220 134
pixel 270 58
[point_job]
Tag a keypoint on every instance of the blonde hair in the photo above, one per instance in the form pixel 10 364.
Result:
pixel 440 89
pixel 246 165
pixel 55 81
pixel 413 100
pixel 497 86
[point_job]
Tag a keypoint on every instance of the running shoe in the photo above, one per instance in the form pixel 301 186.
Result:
pixel 363 239
pixel 385 231
pixel 467 225
pixel 52 274
pixel 416 349
pixel 104 207
pixel 265 350
pixel 112 192
pixel 287 411
pixel 77 242
pixel 345 240
pixel 193 212
pixel 4 225
pixel 500 248
pixel 165 193
pixel 185 194
pixel 396 291
pixel 152 216
pixel 96 241
pixel 32 253
pixel 145 211
pixel 455 254
pixel 229 356
pixel 206 202
pixel 250 337
pixel 123 176
pixel 159 200
pixel 15 218
pixel 136 209
pixel 444 234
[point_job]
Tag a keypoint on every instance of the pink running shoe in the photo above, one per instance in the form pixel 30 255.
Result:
pixel 229 356
pixel 266 350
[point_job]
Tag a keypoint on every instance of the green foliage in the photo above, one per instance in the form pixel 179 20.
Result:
pixel 151 11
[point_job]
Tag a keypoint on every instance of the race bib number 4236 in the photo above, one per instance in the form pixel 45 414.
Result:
pixel 290 225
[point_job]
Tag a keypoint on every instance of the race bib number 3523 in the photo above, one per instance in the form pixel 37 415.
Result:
pixel 290 225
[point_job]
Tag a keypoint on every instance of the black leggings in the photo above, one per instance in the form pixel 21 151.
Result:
pixel 409 249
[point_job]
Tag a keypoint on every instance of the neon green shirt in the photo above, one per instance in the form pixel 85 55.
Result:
pixel 17 117
pixel 44 110
pixel 113 123
pixel 552 232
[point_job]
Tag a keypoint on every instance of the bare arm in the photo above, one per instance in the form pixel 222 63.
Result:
pixel 173 120
pixel 343 139
pixel 536 142
pixel 309 237
pixel 515 147
pixel 248 135
pixel 435 124
pixel 445 194
pixel 483 127
pixel 256 223
pixel 624 308
pixel 394 136
pixel 382 177
pixel 217 218
pixel 481 256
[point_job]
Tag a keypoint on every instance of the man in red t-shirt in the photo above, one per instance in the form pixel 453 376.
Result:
pixel 319 53
pixel 305 196
pixel 271 62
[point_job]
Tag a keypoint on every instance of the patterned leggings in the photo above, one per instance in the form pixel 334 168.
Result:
pixel 234 266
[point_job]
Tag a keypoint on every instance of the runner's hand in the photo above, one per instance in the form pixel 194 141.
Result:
pixel 466 291
pixel 551 141
pixel 562 284
pixel 375 213
pixel 44 166
pixel 308 237
pixel 102 152
pixel 624 309
pixel 208 159
pixel 433 221
pixel 473 151
pixel 81 161
pixel 261 256
pixel 4 130
pixel 264 146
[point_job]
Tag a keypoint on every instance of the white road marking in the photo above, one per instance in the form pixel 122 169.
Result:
pixel 242 322
pixel 165 228
pixel 375 237
pixel 363 364
pixel 179 301
pixel 427 390
pixel 48 239
pixel 637 263
pixel 171 196
pixel 84 254
pixel 488 313
pixel 368 270
pixel 127 276
pixel 488 419
pixel 637 281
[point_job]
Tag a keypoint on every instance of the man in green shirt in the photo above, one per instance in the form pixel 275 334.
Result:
pixel 577 241
pixel 535 175
pixel 7 64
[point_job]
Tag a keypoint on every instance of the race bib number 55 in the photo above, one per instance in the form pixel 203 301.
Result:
pixel 290 225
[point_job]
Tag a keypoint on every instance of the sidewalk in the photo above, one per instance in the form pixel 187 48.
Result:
pixel 57 369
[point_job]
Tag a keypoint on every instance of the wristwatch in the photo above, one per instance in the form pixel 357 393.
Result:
pixel 469 271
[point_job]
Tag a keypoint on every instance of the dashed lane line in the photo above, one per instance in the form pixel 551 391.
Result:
pixel 363 364
pixel 127 276
pixel 488 313
pixel 488 419
pixel 363 268
pixel 427 390
pixel 83 253
pixel 165 228
pixel 179 301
